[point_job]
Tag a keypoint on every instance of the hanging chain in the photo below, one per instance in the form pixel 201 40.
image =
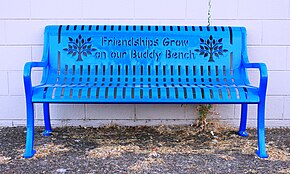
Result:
pixel 209 13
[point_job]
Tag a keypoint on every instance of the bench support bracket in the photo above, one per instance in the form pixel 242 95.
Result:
pixel 48 130
pixel 243 123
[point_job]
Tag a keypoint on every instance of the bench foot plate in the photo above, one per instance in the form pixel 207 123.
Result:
pixel 47 133
pixel 29 154
pixel 243 134
pixel 261 154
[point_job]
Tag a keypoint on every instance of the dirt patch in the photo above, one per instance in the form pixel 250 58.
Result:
pixel 143 149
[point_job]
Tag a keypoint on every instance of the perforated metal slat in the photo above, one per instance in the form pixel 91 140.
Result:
pixel 241 94
pixel 48 94
pixel 205 94
pixel 233 94
pixel 179 93
pixel 145 93
pixel 198 93
pixel 224 93
pixel 57 92
pixel 93 94
pixel 163 94
pixel 137 93
pixel 152 94
pixel 66 93
pixel 84 94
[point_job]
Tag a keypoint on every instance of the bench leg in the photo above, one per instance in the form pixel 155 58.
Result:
pixel 261 152
pixel 29 151
pixel 48 130
pixel 243 123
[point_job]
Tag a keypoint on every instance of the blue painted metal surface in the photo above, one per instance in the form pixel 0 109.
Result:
pixel 145 64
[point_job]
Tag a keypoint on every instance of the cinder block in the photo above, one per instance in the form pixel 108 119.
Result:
pixel 16 87
pixel 288 58
pixel 14 9
pixel 95 123
pixel 55 9
pixel 274 109
pixel 254 77
pixel 277 123
pixel 12 107
pixel 286 115
pixel 275 57
pixel 4 83
pixel 218 111
pixel 14 58
pixel 109 9
pixel 278 81
pixel 196 9
pixel 6 123
pixel 26 32
pixel 109 111
pixel 54 123
pixel 276 32
pixel 160 9
pixel 190 111
pixel 190 22
pixel 36 77
pixel 230 123
pixel 224 9
pixel 36 53
pixel 263 9
pixel 254 29
pixel 160 111
pixel 223 111
pixel 2 33
pixel 252 111
pixel 16 123
pixel 151 122
pixel 270 124
pixel 85 21
pixel 63 111
pixel 253 123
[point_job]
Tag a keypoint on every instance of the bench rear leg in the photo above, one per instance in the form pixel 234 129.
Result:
pixel 46 113
pixel 261 152
pixel 29 151
pixel 243 123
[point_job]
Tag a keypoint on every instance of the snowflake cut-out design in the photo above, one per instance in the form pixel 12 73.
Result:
pixel 211 47
pixel 79 46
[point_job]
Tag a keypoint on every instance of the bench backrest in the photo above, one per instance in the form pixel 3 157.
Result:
pixel 145 50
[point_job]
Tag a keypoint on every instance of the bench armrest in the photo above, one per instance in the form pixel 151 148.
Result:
pixel 263 76
pixel 27 74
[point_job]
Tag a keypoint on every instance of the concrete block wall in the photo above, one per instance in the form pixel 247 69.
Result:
pixel 22 24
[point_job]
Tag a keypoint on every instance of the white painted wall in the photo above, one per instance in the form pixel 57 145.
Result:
pixel 21 38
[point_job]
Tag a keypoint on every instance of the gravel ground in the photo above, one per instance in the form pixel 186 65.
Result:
pixel 142 149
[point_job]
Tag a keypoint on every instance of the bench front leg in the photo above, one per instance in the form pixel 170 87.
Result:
pixel 261 152
pixel 29 151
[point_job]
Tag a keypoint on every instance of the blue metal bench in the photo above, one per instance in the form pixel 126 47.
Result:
pixel 145 64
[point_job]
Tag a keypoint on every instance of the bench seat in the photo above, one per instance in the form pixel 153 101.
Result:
pixel 116 92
